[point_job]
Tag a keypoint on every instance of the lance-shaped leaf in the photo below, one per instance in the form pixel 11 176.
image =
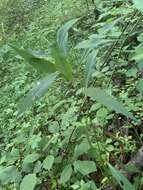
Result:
pixel 61 63
pixel 40 63
pixel 62 36
pixel 38 91
pixel 110 102
pixel 121 179
pixel 94 41
pixel 89 67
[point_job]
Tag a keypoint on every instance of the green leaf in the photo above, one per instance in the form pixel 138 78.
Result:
pixel 48 162
pixel 83 147
pixel 61 63
pixel 39 63
pixel 94 41
pixel 37 167
pixel 85 167
pixel 66 174
pixel 62 36
pixel 110 102
pixel 28 182
pixel 38 91
pixel 53 127
pixel 8 174
pixel 121 179
pixel 89 67
pixel 31 158
pixel 138 4
pixel 140 86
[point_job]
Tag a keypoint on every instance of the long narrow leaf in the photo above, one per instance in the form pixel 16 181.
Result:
pixel 110 102
pixel 38 91
pixel 121 179
pixel 89 67
pixel 61 63
pixel 62 36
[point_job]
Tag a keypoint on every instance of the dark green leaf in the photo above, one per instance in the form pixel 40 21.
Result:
pixel 39 63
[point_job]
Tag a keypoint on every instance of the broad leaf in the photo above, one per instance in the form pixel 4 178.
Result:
pixel 138 4
pixel 121 179
pixel 61 63
pixel 8 174
pixel 66 174
pixel 110 102
pixel 39 63
pixel 90 65
pixel 38 91
pixel 31 158
pixel 85 167
pixel 83 147
pixel 48 162
pixel 28 182
pixel 62 36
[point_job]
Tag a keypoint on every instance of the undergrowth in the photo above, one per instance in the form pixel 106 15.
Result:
pixel 86 128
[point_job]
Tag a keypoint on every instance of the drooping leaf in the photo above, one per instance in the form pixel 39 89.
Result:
pixel 31 158
pixel 121 179
pixel 85 167
pixel 40 63
pixel 28 182
pixel 48 162
pixel 89 67
pixel 66 174
pixel 61 63
pixel 110 102
pixel 138 4
pixel 37 91
pixel 62 36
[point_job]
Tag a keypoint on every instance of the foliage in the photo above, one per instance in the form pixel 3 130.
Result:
pixel 92 52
